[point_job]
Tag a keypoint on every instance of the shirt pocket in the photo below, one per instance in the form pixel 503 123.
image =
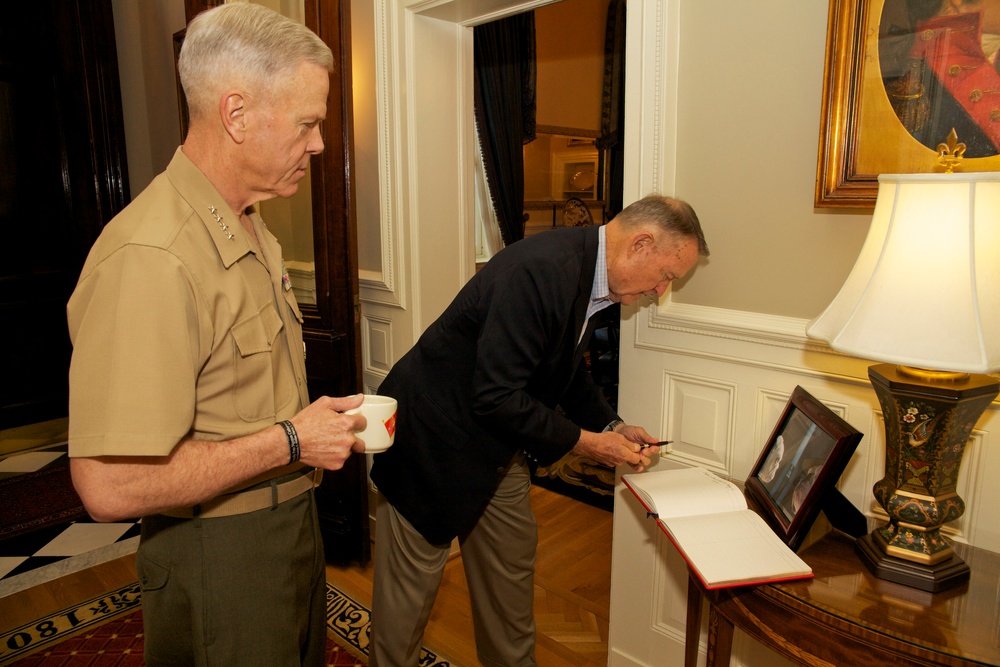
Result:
pixel 253 364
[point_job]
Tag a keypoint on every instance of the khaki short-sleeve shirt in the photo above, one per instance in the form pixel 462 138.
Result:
pixel 180 326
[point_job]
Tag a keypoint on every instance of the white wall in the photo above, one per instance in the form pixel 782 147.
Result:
pixel 748 96
pixel 738 139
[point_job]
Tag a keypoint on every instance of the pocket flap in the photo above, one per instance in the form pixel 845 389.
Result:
pixel 256 334
pixel 152 575
pixel 440 423
pixel 293 304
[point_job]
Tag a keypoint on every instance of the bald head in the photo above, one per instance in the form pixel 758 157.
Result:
pixel 672 216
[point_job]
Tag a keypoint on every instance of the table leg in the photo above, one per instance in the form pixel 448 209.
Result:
pixel 692 632
pixel 720 639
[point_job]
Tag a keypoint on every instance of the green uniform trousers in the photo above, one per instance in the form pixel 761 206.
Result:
pixel 247 590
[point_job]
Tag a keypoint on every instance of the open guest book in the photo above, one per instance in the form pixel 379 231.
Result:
pixel 707 518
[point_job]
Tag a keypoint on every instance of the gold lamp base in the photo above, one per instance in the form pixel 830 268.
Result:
pixel 927 424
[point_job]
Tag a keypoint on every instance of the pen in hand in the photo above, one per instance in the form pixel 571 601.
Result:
pixel 656 444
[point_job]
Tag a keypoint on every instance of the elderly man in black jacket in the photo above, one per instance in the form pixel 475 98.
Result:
pixel 478 397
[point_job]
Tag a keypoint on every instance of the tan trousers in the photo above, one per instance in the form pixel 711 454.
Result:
pixel 498 555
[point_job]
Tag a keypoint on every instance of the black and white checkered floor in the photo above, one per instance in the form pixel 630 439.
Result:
pixel 40 556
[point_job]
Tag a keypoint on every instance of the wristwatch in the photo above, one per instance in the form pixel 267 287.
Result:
pixel 613 425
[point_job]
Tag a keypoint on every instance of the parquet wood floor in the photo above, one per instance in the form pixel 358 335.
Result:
pixel 572 589
pixel 31 604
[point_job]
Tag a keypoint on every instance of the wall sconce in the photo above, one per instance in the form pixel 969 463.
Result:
pixel 924 295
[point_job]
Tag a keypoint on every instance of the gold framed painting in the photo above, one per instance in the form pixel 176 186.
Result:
pixel 899 75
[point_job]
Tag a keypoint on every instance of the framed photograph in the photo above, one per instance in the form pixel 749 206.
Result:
pixel 899 76
pixel 801 462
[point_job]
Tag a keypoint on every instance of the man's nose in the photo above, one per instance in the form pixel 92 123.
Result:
pixel 315 145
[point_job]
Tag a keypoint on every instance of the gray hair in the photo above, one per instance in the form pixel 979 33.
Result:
pixel 242 44
pixel 673 216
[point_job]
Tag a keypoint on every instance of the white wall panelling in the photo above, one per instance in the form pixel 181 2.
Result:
pixel 385 285
pixel 698 419
pixel 377 353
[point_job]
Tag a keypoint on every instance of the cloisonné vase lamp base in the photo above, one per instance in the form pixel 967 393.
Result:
pixel 928 421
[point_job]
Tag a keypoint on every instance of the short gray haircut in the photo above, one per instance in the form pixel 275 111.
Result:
pixel 673 216
pixel 243 44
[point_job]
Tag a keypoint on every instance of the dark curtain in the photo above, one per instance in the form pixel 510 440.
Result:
pixel 613 105
pixel 505 112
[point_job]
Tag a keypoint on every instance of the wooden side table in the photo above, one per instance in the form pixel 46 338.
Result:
pixel 846 616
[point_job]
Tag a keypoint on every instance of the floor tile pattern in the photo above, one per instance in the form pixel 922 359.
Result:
pixel 32 558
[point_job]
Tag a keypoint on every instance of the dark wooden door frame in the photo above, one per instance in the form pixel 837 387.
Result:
pixel 333 328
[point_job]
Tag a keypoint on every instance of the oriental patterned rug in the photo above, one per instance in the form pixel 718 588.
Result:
pixel 580 478
pixel 106 631
pixel 36 500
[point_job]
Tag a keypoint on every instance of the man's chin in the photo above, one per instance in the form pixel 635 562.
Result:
pixel 288 190
pixel 629 299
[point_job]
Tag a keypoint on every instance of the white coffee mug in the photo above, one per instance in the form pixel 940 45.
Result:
pixel 380 411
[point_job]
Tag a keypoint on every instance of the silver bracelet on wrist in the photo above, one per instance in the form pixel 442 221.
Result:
pixel 613 425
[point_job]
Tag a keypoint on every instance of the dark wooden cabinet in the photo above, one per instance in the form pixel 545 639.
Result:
pixel 63 176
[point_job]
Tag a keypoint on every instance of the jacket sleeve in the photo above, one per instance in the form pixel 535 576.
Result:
pixel 585 403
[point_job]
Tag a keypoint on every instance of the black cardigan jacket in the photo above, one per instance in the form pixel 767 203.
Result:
pixel 485 379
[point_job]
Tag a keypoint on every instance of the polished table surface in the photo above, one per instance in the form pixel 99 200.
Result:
pixel 846 616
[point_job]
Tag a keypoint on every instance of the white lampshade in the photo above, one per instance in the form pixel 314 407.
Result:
pixel 925 291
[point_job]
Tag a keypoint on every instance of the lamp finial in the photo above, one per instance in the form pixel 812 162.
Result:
pixel 951 152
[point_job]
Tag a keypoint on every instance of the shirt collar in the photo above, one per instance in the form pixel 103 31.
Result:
pixel 600 293
pixel 223 225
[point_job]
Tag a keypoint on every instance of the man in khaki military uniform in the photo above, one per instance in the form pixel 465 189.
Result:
pixel 188 399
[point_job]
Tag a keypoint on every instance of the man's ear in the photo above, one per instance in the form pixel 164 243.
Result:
pixel 232 110
pixel 640 240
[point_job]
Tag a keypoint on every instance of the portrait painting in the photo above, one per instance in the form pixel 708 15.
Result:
pixel 800 451
pixel 901 76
